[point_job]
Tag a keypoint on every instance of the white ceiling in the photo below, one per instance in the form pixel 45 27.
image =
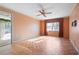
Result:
pixel 31 9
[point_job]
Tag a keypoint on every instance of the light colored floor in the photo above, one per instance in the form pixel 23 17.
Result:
pixel 4 42
pixel 6 50
pixel 44 45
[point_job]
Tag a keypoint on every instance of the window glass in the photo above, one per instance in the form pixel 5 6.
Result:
pixel 54 26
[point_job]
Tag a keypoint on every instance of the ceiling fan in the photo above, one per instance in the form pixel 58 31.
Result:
pixel 43 11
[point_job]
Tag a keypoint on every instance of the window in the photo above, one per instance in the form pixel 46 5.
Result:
pixel 54 26
pixel 5 29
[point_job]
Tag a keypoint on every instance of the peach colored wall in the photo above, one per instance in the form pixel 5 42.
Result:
pixel 42 27
pixel 55 34
pixel 23 26
pixel 66 27
pixel 74 31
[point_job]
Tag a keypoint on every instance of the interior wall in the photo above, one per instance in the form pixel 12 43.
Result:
pixel 66 27
pixel 23 26
pixel 54 34
pixel 42 27
pixel 74 31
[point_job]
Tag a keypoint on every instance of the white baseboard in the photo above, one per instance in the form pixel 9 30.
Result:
pixel 74 46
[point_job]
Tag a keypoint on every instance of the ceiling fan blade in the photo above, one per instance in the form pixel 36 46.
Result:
pixel 44 15
pixel 40 11
pixel 41 14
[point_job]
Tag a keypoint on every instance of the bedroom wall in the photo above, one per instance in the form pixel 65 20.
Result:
pixel 23 26
pixel 74 31
pixel 66 27
pixel 42 27
pixel 55 34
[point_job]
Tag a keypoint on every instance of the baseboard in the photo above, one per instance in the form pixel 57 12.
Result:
pixel 74 46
